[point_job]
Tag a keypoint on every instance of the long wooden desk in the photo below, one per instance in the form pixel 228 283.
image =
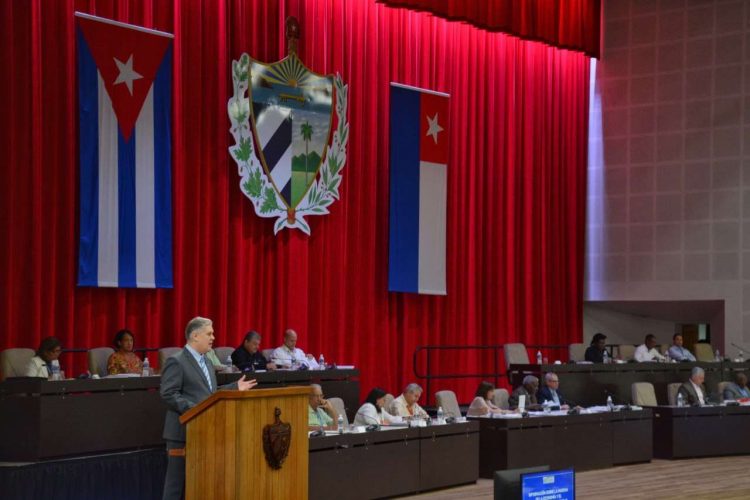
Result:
pixel 589 441
pixel 701 431
pixel 589 384
pixel 393 462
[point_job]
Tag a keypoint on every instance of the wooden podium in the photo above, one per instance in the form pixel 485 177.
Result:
pixel 225 458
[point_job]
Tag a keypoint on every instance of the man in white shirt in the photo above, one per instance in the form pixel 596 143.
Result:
pixel 647 351
pixel 406 404
pixel 693 390
pixel 677 352
pixel 289 355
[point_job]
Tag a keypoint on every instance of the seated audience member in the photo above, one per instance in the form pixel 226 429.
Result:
pixel 737 389
pixel 321 413
pixel 647 351
pixel 595 352
pixel 551 392
pixel 529 389
pixel 124 360
pixel 247 357
pixel 677 352
pixel 406 404
pixel 288 353
pixel 372 411
pixel 693 391
pixel 482 404
pixel 41 364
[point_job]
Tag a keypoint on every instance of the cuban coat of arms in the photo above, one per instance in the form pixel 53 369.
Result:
pixel 282 116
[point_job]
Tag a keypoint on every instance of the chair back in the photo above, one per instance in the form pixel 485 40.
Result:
pixel 663 348
pixel 13 362
pixel 722 385
pixel 626 352
pixel 447 399
pixel 98 357
pixel 515 354
pixel 223 353
pixel 338 404
pixel 500 399
pixel 672 390
pixel 704 352
pixel 167 352
pixel 267 354
pixel 643 394
pixel 577 352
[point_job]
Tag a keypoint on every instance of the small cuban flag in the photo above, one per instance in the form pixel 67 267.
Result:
pixel 125 105
pixel 419 172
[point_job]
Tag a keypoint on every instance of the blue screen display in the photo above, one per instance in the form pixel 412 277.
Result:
pixel 552 485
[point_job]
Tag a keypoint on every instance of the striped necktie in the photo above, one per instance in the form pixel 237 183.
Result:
pixel 205 371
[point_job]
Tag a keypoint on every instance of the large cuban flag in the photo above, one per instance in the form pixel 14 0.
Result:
pixel 419 171
pixel 124 94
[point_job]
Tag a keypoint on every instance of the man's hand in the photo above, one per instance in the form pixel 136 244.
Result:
pixel 245 385
pixel 326 405
pixel 270 366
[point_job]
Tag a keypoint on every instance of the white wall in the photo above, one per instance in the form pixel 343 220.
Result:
pixel 622 328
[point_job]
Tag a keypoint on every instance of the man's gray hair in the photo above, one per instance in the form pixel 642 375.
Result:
pixel 413 387
pixel 530 379
pixel 550 375
pixel 315 386
pixel 196 324
pixel 697 370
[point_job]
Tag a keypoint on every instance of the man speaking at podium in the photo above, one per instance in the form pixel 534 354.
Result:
pixel 188 378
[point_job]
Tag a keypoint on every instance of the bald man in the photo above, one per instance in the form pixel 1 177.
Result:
pixel 288 355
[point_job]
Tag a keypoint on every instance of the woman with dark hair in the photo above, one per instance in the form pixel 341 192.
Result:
pixel 124 360
pixel 595 352
pixel 372 410
pixel 482 405
pixel 41 364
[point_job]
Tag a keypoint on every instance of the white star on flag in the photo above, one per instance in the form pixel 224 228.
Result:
pixel 433 128
pixel 127 74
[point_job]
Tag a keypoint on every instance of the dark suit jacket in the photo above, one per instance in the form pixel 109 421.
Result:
pixel 545 394
pixel 732 391
pixel 183 385
pixel 691 397
pixel 246 361
pixel 594 355
pixel 530 398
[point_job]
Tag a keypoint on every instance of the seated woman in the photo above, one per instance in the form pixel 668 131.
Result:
pixel 124 360
pixel 482 404
pixel 41 364
pixel 372 411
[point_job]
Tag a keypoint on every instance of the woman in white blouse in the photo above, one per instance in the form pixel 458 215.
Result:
pixel 372 411
pixel 482 404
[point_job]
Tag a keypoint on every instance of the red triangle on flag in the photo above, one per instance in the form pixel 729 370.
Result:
pixel 127 59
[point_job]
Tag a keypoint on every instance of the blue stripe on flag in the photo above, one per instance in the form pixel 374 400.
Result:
pixel 126 210
pixel 88 250
pixel 163 172
pixel 403 266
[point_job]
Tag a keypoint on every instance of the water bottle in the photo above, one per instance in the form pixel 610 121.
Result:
pixel 228 364
pixel 610 404
pixel 321 362
pixel 55 370
pixel 605 357
pixel 340 423
pixel 717 356
pixel 680 400
pixel 741 357
pixel 666 357
pixel 539 357
pixel 440 415
pixel 146 368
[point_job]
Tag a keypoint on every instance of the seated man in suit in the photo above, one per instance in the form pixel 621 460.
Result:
pixel 321 413
pixel 248 357
pixel 406 404
pixel 677 352
pixel 693 391
pixel 288 355
pixel 187 379
pixel 595 352
pixel 647 351
pixel 737 389
pixel 551 392
pixel 529 389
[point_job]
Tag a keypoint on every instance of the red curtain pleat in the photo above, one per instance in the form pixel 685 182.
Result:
pixel 516 193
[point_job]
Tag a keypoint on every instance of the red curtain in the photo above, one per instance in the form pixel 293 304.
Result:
pixel 572 24
pixel 516 194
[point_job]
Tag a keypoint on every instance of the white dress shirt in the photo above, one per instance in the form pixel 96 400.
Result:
pixel 642 353
pixel 37 368
pixel 368 415
pixel 283 356
pixel 400 408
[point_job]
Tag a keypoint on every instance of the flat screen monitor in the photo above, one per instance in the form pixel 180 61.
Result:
pixel 508 482
pixel 552 485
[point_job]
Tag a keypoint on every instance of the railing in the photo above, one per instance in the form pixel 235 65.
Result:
pixel 495 374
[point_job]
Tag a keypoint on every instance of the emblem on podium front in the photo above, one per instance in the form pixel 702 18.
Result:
pixel 289 147
pixel 276 440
